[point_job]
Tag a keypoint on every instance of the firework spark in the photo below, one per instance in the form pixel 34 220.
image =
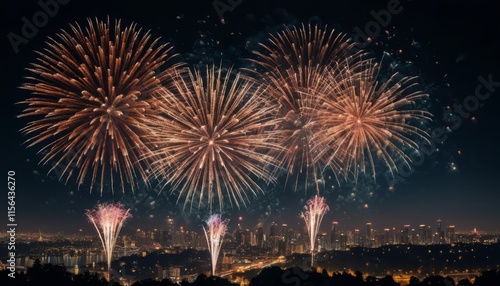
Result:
pixel 108 220
pixel 294 62
pixel 313 213
pixel 366 120
pixel 213 140
pixel 214 233
pixel 92 102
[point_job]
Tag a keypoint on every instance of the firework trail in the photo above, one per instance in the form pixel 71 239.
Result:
pixel 214 233
pixel 294 63
pixel 313 213
pixel 92 102
pixel 213 139
pixel 368 121
pixel 108 220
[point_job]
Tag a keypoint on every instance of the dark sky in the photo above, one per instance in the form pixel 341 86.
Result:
pixel 448 44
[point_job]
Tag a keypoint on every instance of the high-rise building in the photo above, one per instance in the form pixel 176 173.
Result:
pixel 342 241
pixel 246 238
pixel 179 239
pixel 238 235
pixel 369 235
pixel 421 234
pixel 369 230
pixel 291 237
pixel 284 232
pixel 164 238
pixel 273 230
pixel 334 236
pixel 321 241
pixel 405 234
pixel 428 235
pixel 160 272
pixel 387 236
pixel 413 236
pixel 282 239
pixel 274 237
pixel 260 235
pixel 357 238
pixel 394 236
pixel 450 234
pixel 170 232
pixel 174 273
pixel 439 232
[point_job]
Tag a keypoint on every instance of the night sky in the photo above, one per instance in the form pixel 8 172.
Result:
pixel 448 44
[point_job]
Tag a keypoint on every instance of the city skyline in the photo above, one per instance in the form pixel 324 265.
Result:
pixel 157 255
pixel 172 225
pixel 457 182
pixel 274 240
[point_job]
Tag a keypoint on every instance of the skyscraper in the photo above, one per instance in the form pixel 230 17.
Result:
pixel 238 235
pixel 321 241
pixel 387 236
pixel 394 236
pixel 440 232
pixel 273 230
pixel 428 235
pixel 421 234
pixel 274 237
pixel 284 232
pixel 369 235
pixel 260 235
pixel 342 241
pixel 450 233
pixel 334 237
pixel 357 238
pixel 413 236
pixel 405 234
pixel 170 232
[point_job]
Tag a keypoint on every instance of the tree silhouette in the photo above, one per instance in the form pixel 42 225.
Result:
pixel 57 275
pixel 464 282
pixel 487 278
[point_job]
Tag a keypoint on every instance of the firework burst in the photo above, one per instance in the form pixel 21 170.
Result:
pixel 214 233
pixel 313 213
pixel 92 102
pixel 294 62
pixel 368 121
pixel 108 220
pixel 214 138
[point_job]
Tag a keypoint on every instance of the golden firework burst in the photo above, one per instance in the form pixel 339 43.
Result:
pixel 92 101
pixel 214 137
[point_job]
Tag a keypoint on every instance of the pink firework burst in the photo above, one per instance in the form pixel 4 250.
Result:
pixel 214 233
pixel 313 213
pixel 108 220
